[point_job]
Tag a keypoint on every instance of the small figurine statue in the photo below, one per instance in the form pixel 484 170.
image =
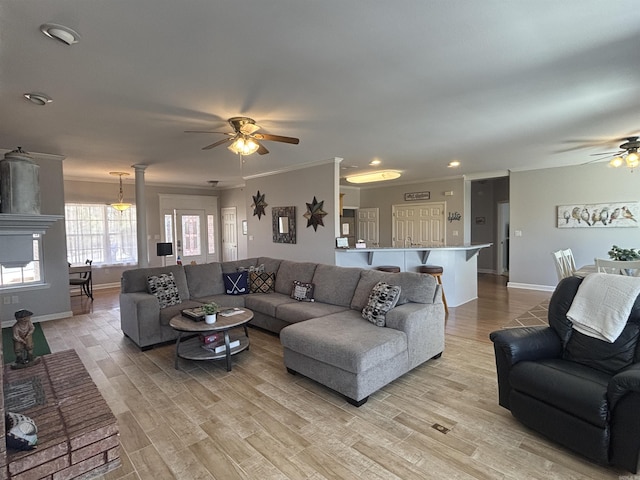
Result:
pixel 23 340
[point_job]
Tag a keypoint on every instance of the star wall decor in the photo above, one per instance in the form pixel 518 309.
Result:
pixel 259 204
pixel 314 214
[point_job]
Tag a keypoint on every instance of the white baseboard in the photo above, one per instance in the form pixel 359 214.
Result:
pixel 41 318
pixel 104 286
pixel 531 286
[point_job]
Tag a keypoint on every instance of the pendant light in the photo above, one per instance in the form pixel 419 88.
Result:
pixel 121 206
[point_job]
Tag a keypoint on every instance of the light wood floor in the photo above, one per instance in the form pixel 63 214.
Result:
pixel 259 422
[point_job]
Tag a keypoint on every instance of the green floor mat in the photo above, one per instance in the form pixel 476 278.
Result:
pixel 40 345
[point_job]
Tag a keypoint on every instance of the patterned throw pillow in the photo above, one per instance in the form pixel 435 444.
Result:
pixel 303 292
pixel 236 283
pixel 21 431
pixel 262 282
pixel 383 297
pixel 164 287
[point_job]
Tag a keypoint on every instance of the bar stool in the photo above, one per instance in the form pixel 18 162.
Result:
pixel 436 272
pixel 388 268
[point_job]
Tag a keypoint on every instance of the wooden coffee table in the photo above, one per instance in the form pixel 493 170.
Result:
pixel 191 349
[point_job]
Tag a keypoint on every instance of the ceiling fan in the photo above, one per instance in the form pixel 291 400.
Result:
pixel 244 138
pixel 627 153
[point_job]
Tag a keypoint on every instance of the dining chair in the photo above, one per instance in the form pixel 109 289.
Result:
pixel 630 268
pixel 84 281
pixel 561 265
pixel 569 261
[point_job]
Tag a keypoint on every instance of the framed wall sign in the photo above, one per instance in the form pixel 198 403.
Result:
pixel 598 215
pixel 417 196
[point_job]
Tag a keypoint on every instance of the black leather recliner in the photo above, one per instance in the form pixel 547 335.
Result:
pixel 579 391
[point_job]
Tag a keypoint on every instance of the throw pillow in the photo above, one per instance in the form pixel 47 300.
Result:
pixel 303 292
pixel 236 283
pixel 383 297
pixel 21 431
pixel 262 282
pixel 164 287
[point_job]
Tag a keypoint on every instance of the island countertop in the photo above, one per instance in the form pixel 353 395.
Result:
pixel 459 263
pixel 423 251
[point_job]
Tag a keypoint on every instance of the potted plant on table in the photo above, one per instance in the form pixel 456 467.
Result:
pixel 210 312
pixel 624 254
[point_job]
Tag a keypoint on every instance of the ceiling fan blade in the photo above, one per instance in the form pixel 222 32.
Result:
pixel 203 131
pixel 619 152
pixel 215 144
pixel 262 150
pixel 276 138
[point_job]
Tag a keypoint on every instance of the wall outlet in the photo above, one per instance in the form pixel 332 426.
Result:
pixel 15 299
pixel 454 233
pixel 518 233
pixel 6 300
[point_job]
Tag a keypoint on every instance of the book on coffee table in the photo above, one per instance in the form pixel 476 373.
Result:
pixel 196 313
pixel 220 347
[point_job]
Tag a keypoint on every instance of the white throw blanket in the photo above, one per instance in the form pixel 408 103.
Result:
pixel 602 305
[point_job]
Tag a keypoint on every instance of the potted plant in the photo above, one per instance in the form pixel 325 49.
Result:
pixel 210 312
pixel 624 254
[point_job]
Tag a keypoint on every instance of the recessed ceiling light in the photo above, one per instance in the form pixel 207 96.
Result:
pixel 38 98
pixel 375 162
pixel 60 33
pixel 454 163
pixel 379 176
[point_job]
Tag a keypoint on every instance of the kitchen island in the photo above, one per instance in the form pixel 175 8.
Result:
pixel 460 277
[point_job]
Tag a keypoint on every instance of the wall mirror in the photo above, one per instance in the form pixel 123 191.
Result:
pixel 284 224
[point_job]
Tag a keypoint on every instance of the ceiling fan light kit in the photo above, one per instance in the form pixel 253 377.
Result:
pixel 631 160
pixel 244 139
pixel 244 145
pixel 379 176
pixel 120 205
pixel 60 33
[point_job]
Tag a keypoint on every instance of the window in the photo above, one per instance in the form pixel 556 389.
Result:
pixel 100 233
pixel 27 275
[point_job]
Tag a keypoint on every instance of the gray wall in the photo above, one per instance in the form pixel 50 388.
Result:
pixel 535 196
pixel 383 197
pixel 296 188
pixel 53 300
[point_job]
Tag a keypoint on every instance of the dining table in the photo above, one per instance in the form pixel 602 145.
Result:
pixel 585 270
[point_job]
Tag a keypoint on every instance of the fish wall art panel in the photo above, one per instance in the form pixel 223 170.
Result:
pixel 599 215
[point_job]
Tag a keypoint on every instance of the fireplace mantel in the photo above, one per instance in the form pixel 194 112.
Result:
pixel 16 236
pixel 24 224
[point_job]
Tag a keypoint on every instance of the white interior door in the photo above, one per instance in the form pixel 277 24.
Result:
pixel 229 234
pixel 369 226
pixel 190 236
pixel 418 224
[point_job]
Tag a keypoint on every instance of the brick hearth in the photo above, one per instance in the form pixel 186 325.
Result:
pixel 77 432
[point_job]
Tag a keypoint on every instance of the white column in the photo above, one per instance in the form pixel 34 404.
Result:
pixel 141 217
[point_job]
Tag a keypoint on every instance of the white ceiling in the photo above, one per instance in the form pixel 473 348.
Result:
pixel 496 85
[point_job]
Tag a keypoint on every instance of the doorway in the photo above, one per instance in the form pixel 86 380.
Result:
pixel 419 224
pixel 369 226
pixel 190 223
pixel 503 239
pixel 229 234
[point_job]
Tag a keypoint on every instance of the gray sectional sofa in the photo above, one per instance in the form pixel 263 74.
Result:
pixel 326 340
